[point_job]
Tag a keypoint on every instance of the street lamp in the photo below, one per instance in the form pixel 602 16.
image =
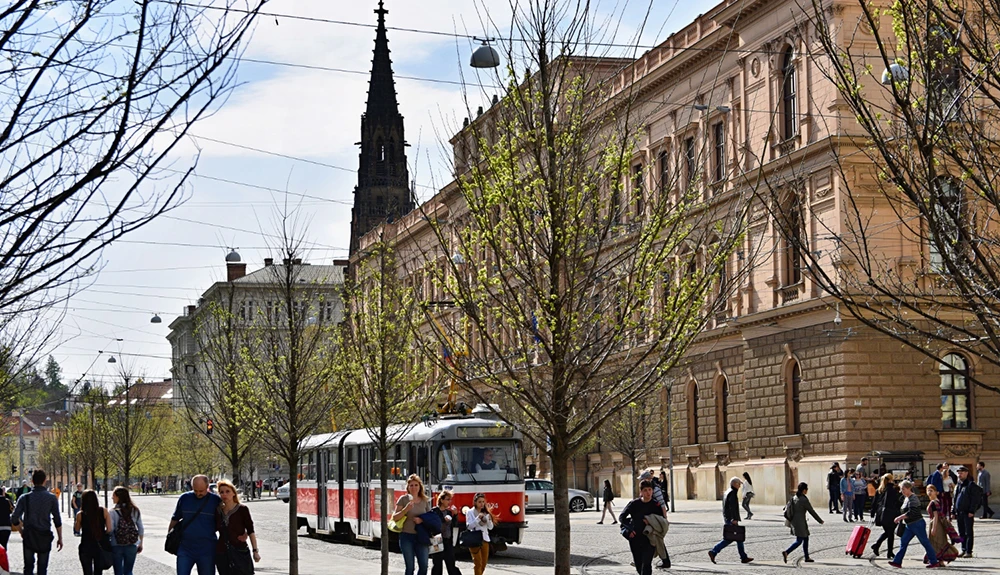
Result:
pixel 156 319
pixel 485 56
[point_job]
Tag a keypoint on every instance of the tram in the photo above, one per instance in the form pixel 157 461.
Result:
pixel 339 491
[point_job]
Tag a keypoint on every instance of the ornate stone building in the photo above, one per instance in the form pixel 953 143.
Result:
pixel 780 385
pixel 383 190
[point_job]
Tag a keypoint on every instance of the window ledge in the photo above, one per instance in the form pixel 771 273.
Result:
pixel 960 443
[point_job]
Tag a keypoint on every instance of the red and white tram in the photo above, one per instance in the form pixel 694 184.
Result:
pixel 339 492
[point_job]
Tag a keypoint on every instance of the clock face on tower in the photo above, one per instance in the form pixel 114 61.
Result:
pixel 383 190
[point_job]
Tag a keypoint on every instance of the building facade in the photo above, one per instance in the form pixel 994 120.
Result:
pixel 780 385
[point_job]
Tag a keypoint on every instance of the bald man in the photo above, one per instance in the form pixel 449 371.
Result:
pixel 197 508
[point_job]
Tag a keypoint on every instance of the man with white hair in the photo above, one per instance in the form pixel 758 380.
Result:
pixel 731 515
pixel 197 508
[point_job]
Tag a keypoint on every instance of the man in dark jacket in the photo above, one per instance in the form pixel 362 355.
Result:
pixel 833 485
pixel 731 516
pixel 36 509
pixel 968 495
pixel 633 520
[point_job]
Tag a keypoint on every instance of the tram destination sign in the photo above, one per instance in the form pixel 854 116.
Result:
pixel 495 431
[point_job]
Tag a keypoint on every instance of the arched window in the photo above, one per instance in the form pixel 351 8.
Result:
pixel 788 87
pixel 954 392
pixel 722 408
pixel 793 383
pixel 692 409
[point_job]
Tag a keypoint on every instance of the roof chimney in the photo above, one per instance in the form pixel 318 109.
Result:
pixel 191 309
pixel 268 262
pixel 235 271
pixel 297 261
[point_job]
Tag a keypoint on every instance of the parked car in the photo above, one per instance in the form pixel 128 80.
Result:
pixel 539 491
pixel 283 492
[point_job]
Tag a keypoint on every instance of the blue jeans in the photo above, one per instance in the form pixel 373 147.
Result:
pixel 723 544
pixel 848 506
pixel 916 529
pixel 124 558
pixel 803 541
pixel 202 556
pixel 412 549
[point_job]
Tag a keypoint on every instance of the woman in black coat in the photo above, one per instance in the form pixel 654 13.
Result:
pixel 608 496
pixel 885 508
pixel 445 558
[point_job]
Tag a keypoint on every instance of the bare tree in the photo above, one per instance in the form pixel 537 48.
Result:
pixel 290 356
pixel 632 432
pixel 914 254
pixel 575 279
pixel 379 376
pixel 218 392
pixel 134 421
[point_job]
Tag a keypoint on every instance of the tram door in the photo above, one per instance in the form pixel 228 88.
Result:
pixel 322 458
pixel 364 489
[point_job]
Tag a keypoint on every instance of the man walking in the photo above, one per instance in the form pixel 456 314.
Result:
pixel 36 509
pixel 983 480
pixel 968 495
pixel 197 508
pixel 833 485
pixel 75 504
pixel 862 469
pixel 847 495
pixel 731 516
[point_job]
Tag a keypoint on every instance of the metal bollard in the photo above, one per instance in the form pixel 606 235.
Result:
pixel 545 503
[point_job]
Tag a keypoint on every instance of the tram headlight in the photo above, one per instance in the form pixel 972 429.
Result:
pixel 515 509
pixel 465 510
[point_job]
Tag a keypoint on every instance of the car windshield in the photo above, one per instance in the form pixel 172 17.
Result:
pixel 480 461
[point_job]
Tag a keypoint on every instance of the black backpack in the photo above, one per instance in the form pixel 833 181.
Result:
pixel 789 512
pixel 126 533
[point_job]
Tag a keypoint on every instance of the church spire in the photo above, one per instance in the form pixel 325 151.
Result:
pixel 383 190
pixel 381 86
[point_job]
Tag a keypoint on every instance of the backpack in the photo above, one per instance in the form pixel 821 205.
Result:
pixel 126 533
pixel 789 512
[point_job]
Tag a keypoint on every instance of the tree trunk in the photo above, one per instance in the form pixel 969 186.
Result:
pixel 634 460
pixel 293 518
pixel 560 483
pixel 385 506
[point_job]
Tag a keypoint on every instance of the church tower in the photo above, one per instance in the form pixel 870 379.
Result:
pixel 383 189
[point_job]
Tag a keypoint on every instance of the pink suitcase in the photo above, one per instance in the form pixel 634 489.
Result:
pixel 856 544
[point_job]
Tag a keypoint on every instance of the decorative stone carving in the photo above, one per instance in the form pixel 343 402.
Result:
pixel 755 67
pixel 693 455
pixel 793 445
pixel 955 443
pixel 961 450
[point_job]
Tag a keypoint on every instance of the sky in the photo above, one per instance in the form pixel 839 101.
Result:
pixel 295 129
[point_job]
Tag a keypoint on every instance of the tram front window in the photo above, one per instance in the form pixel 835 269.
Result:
pixel 476 462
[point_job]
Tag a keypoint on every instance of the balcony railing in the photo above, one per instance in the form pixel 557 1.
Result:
pixel 791 293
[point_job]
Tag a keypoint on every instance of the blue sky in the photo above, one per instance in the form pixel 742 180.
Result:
pixel 312 115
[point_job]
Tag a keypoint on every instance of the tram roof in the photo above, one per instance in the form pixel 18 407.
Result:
pixel 424 431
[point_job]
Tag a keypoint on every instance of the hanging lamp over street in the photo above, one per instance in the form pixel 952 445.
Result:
pixel 485 56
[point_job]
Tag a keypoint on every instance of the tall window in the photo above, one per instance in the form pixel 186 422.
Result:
pixel 722 408
pixel 793 238
pixel 788 86
pixel 945 229
pixel 792 389
pixel 692 408
pixel 719 160
pixel 615 206
pixel 664 173
pixel 690 168
pixel 954 392
pixel 638 190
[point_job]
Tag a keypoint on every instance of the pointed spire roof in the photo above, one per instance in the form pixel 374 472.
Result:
pixel 381 86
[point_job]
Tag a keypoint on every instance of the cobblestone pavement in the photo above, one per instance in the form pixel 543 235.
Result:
pixel 597 549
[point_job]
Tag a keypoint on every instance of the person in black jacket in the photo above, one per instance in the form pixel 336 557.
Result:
pixel 6 507
pixel 445 558
pixel 886 507
pixel 833 486
pixel 633 520
pixel 608 496
pixel 731 515
pixel 968 496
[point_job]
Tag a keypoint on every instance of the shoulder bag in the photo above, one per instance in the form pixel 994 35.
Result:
pixel 37 540
pixel 173 542
pixel 471 539
pixel 397 525
pixel 240 560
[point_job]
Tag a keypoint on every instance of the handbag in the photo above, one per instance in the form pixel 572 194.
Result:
pixel 736 533
pixel 107 556
pixel 437 544
pixel 900 529
pixel 239 558
pixel 471 539
pixel 397 526
pixel 172 544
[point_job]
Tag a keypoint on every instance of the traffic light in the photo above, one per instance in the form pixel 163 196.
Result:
pixel 208 427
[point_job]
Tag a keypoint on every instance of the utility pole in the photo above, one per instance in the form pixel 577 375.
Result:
pixel 20 443
pixel 670 450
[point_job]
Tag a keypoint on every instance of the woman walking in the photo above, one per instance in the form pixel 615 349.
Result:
pixel 233 521
pixel 608 497
pixel 747 494
pixel 885 508
pixel 446 558
pixel 127 531
pixel 800 525
pixel 911 516
pixel 479 518
pixel 940 528
pixel 411 506
pixel 6 508
pixel 93 522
